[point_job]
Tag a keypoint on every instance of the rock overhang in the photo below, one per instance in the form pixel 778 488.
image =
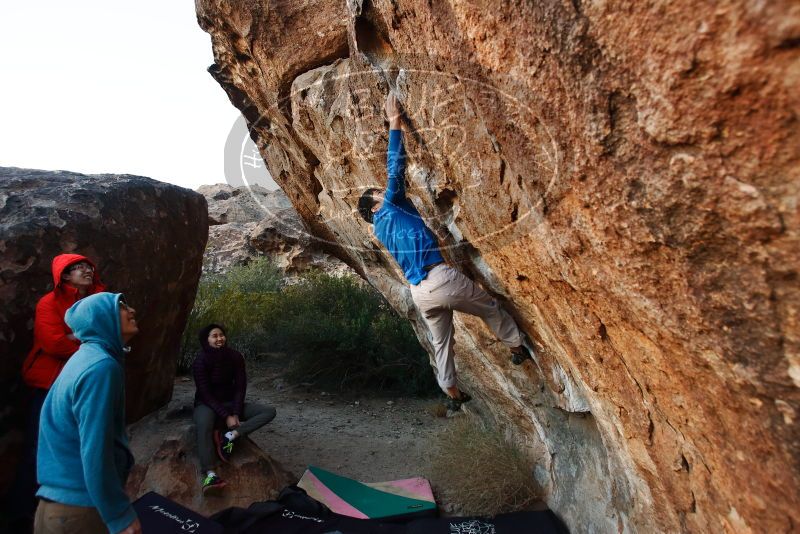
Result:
pixel 608 173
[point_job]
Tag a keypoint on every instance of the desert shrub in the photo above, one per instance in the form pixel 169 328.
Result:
pixel 339 333
pixel 481 473
pixel 244 300
pixel 343 335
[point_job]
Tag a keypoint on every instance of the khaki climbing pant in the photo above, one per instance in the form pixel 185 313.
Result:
pixel 444 290
pixel 56 518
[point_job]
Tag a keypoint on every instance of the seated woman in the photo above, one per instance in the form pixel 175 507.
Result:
pixel 221 382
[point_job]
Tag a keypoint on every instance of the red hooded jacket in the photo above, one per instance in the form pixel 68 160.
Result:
pixel 51 346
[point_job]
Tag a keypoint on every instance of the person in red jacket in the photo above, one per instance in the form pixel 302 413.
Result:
pixel 74 277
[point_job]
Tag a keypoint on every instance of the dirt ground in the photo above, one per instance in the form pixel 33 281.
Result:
pixel 368 438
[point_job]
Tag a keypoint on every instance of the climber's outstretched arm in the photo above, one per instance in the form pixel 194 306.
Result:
pixel 396 154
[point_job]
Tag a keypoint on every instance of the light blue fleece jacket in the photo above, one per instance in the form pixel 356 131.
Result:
pixel 83 455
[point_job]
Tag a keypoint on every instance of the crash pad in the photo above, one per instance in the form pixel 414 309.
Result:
pixel 409 497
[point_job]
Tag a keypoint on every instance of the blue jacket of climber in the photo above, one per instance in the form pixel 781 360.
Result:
pixel 437 289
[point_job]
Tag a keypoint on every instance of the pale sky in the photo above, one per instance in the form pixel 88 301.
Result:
pixel 97 86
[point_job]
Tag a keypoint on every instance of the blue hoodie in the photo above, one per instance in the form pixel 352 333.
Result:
pixel 83 455
pixel 398 224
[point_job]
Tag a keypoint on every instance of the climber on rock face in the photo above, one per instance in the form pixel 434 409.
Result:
pixel 437 288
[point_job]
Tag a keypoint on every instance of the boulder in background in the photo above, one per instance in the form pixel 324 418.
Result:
pixel 248 222
pixel 147 239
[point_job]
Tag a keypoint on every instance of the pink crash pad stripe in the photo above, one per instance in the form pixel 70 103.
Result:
pixel 417 488
pixel 331 500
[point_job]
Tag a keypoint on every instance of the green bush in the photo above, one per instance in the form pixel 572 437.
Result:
pixel 346 336
pixel 339 333
pixel 244 300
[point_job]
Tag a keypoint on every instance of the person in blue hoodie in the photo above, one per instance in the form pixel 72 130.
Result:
pixel 436 288
pixel 83 455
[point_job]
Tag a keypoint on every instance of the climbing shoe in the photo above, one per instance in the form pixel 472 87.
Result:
pixel 224 446
pixel 212 485
pixel 455 404
pixel 518 357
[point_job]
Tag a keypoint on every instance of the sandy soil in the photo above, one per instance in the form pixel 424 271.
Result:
pixel 363 437
pixel 369 438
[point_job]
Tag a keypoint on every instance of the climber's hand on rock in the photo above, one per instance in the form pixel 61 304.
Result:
pixel 392 109
pixel 232 421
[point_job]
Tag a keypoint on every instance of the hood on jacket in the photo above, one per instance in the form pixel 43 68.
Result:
pixel 62 261
pixel 202 336
pixel 95 319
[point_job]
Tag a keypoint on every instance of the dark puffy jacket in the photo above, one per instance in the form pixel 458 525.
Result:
pixel 219 376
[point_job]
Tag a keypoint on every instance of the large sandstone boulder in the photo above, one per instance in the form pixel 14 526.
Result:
pixel 248 222
pixel 147 239
pixel 625 174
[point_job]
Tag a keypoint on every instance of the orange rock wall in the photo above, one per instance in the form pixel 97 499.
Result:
pixel 624 174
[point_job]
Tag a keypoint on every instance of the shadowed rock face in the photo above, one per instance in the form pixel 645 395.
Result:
pixel 626 176
pixel 147 239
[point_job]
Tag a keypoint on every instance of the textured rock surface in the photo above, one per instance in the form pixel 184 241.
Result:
pixel 251 222
pixel 164 445
pixel 228 204
pixel 147 239
pixel 626 174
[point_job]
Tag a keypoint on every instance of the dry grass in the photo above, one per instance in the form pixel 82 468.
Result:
pixel 479 472
pixel 437 409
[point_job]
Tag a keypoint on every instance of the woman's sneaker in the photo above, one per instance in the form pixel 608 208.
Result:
pixel 212 485
pixel 224 446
